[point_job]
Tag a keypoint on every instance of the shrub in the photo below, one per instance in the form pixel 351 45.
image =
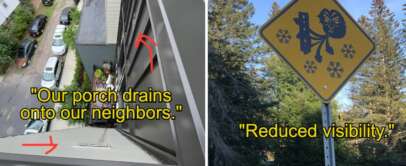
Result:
pixel 4 61
pixel 69 36
pixel 100 75
pixel 13 31
pixel 70 32
pixel 20 20
pixel 8 46
pixel 86 85
pixel 28 5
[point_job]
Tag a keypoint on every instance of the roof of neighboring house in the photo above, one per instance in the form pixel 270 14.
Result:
pixel 6 12
pixel 99 22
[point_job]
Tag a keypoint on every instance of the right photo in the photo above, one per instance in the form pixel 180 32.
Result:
pixel 306 82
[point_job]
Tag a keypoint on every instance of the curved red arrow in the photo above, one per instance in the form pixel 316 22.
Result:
pixel 140 40
pixel 50 144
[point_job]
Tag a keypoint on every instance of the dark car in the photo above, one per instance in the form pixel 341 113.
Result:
pixel 38 25
pixel 64 19
pixel 25 52
pixel 47 2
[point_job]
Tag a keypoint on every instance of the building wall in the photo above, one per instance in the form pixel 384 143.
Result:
pixel 6 8
pixel 179 67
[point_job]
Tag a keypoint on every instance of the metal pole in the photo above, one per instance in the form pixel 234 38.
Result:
pixel 329 155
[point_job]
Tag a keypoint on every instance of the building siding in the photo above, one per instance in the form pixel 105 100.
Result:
pixel 179 67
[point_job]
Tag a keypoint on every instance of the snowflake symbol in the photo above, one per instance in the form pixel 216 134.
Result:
pixel 348 51
pixel 283 36
pixel 310 66
pixel 335 69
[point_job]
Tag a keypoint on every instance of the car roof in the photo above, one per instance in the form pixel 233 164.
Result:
pixel 37 18
pixel 60 28
pixel 36 21
pixel 58 31
pixel 25 41
pixel 66 10
pixel 58 35
pixel 51 62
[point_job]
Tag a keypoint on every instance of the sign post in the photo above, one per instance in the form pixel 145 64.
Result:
pixel 329 154
pixel 320 41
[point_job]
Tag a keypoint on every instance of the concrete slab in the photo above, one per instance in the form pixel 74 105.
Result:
pixel 84 143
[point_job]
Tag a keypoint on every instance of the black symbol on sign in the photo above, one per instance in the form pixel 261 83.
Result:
pixel 283 36
pixel 310 66
pixel 333 26
pixel 335 70
pixel 348 51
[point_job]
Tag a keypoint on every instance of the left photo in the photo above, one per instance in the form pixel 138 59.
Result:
pixel 102 82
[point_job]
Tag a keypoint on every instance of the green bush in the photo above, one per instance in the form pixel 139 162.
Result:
pixel 5 60
pixel 8 46
pixel 13 31
pixel 28 5
pixel 100 75
pixel 69 36
pixel 20 20
pixel 75 16
pixel 70 32
pixel 86 84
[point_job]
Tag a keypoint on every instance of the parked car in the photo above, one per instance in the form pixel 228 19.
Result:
pixel 58 45
pixel 38 25
pixel 64 18
pixel 36 126
pixel 47 2
pixel 60 28
pixel 25 52
pixel 52 72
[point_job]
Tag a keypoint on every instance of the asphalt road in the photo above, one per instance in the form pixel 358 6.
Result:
pixel 15 84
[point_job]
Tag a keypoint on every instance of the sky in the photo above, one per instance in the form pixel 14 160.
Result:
pixel 355 8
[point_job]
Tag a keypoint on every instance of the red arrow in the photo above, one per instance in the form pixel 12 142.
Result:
pixel 140 40
pixel 50 144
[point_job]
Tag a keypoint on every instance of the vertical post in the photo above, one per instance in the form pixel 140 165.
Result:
pixel 329 154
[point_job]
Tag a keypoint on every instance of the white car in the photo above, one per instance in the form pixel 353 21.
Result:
pixel 36 126
pixel 51 74
pixel 58 45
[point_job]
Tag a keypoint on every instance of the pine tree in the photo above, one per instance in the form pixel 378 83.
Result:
pixel 377 88
pixel 231 32
pixel 233 98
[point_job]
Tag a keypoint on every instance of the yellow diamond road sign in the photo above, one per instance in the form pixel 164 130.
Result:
pixel 320 41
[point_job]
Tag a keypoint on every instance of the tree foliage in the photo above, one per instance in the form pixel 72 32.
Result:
pixel 233 98
pixel 21 19
pixel 231 31
pixel 13 31
pixel 377 90
pixel 8 46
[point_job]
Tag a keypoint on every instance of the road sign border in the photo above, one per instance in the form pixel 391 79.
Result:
pixel 286 8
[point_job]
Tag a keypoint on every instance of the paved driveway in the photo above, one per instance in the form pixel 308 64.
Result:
pixel 15 84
